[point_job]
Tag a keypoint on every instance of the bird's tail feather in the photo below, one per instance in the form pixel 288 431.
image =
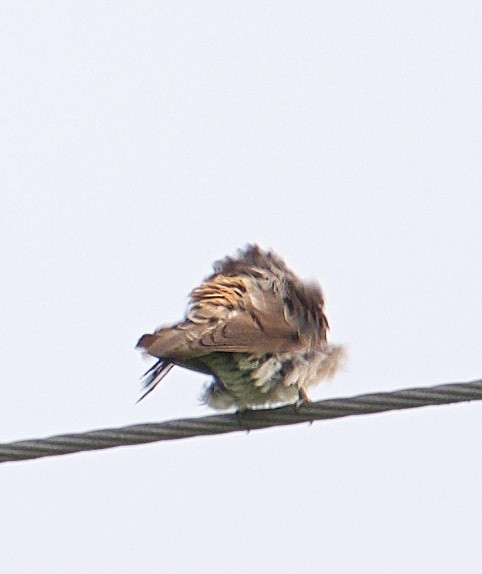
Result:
pixel 154 375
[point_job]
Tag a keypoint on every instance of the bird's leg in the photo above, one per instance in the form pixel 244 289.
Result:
pixel 302 399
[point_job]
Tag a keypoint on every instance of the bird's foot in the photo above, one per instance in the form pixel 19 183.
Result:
pixel 303 398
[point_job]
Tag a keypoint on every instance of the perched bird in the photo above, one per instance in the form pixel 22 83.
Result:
pixel 256 328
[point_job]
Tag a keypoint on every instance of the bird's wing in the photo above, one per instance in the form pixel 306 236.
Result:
pixel 242 314
pixel 233 314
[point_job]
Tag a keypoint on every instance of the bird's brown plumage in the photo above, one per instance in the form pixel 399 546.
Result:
pixel 253 325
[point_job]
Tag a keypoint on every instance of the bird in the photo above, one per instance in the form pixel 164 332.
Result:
pixel 257 329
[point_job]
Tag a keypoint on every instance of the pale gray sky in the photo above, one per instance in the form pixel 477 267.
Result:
pixel 143 140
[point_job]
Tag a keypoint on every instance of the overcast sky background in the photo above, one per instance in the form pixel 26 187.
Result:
pixel 140 142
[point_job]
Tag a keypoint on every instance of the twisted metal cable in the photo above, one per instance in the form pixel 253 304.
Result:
pixel 246 420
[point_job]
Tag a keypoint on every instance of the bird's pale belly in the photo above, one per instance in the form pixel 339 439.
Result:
pixel 243 381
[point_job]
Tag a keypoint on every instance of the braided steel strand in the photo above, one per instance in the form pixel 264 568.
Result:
pixel 247 420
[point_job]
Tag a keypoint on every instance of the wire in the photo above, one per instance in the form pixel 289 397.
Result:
pixel 242 421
